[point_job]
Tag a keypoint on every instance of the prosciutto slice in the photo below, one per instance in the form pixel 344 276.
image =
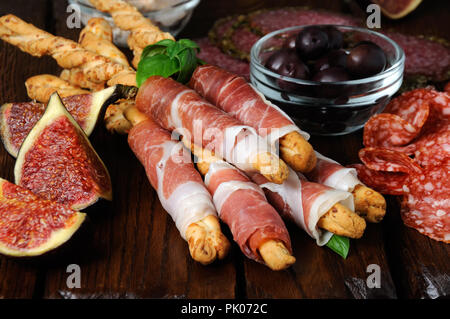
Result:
pixel 330 173
pixel 172 174
pixel 242 205
pixel 304 202
pixel 177 108
pixel 236 96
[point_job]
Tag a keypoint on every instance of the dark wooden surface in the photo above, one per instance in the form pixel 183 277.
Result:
pixel 131 249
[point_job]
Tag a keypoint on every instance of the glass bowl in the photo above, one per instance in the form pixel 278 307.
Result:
pixel 331 108
pixel 170 19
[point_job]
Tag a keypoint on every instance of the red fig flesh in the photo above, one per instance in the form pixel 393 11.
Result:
pixel 57 162
pixel 30 226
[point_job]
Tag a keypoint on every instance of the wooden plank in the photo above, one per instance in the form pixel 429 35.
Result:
pixel 135 250
pixel 420 265
pixel 19 278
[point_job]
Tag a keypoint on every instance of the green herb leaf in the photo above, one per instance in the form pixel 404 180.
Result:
pixel 189 44
pixel 339 245
pixel 155 65
pixel 157 48
pixel 188 61
pixel 177 59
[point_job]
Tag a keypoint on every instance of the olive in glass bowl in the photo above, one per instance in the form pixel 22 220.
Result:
pixel 333 102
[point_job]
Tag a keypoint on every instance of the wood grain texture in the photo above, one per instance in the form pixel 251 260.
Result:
pixel 19 278
pixel 130 247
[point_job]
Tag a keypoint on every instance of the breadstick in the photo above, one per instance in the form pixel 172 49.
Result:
pixel 273 251
pixel 40 87
pixel 205 239
pixel 97 36
pixel 370 204
pixel 297 152
pixel 128 18
pixel 342 221
pixel 67 53
pixel 77 77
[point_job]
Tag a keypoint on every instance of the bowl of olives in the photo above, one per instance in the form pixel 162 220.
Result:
pixel 329 79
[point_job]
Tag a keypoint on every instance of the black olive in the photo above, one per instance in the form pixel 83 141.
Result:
pixel 334 58
pixel 286 62
pixel 335 38
pixel 332 74
pixel 366 59
pixel 311 42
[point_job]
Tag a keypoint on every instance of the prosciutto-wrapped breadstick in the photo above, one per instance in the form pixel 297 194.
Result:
pixel 235 96
pixel 179 187
pixel 177 108
pixel 128 18
pixel 318 209
pixel 67 53
pixel 255 224
pixel 368 203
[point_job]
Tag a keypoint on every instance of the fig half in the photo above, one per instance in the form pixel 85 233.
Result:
pixel 57 162
pixel 31 226
pixel 17 119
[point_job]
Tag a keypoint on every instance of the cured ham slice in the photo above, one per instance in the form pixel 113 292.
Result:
pixel 171 172
pixel 236 96
pixel 304 202
pixel 330 173
pixel 242 205
pixel 178 108
pixel 368 203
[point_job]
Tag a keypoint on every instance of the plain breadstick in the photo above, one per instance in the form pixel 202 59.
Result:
pixel 97 36
pixel 128 18
pixel 205 238
pixel 40 87
pixel 67 53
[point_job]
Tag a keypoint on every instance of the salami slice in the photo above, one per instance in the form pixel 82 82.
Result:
pixel 211 54
pixel 240 42
pixel 426 206
pixel 388 183
pixel 389 131
pixel 424 56
pixel 412 106
pixel 266 21
pixel 433 148
pixel 380 159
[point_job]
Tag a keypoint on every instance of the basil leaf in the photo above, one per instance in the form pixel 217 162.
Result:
pixel 189 44
pixel 174 50
pixel 159 47
pixel 188 62
pixel 339 245
pixel 156 65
